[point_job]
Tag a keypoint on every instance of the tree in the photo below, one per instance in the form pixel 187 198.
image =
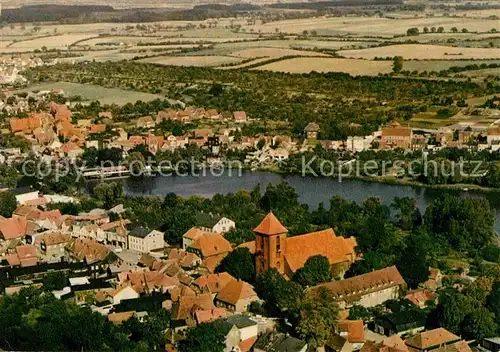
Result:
pixel 454 29
pixel 108 193
pixel 397 65
pixel 8 204
pixel 205 337
pixel 136 163
pixel 407 214
pixel 316 270
pixel 278 293
pixel 56 280
pixel 465 30
pixel 413 263
pixel 433 29
pixel 440 30
pixel 318 316
pixel 478 324
pixel 452 310
pixel 465 224
pixel 493 300
pixel 240 264
pixel 426 29
pixel 412 31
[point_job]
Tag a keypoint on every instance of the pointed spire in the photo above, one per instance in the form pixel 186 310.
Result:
pixel 270 226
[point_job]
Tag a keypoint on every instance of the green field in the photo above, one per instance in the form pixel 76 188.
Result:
pixel 439 65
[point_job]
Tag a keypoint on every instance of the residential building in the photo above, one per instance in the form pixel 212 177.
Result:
pixel 353 331
pixel 431 340
pixel 274 249
pixel 312 130
pixel 367 290
pixel 52 244
pixel 145 240
pixel 246 326
pixel 240 116
pixel 278 342
pixel 493 136
pixel 123 293
pixel 421 297
pixel 145 122
pixel 236 296
pixel 492 344
pixel 396 136
pixel 13 228
pixel 25 255
pixel 224 225
pixel 390 344
pixel 25 194
pixel 193 234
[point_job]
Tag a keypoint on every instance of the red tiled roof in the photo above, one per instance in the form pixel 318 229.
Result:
pixel 214 282
pixel 14 227
pixel 234 291
pixel 240 116
pixel 190 304
pixel 98 128
pixel 247 344
pixel 249 245
pixel 270 226
pixel 211 245
pixel 354 287
pixel 431 338
pixel 325 243
pixel 206 316
pixel 354 329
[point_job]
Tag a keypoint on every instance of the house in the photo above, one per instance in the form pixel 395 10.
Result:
pixel 390 344
pixel 193 234
pixel 147 282
pixel 25 194
pixel 240 116
pixel 236 296
pixel 493 135
pixel 25 125
pixel 312 130
pixel 212 283
pixel 396 136
pixel 492 344
pixel 353 331
pixel 224 225
pixel 435 280
pixel 52 244
pixel 86 250
pixel 123 293
pixel 71 150
pixel 184 310
pixel 274 249
pixel 145 122
pixel 145 240
pixel 210 245
pixel 207 316
pixel 13 228
pixel 213 114
pixel 24 256
pixel 120 318
pixel 246 326
pixel 421 297
pixel 99 128
pixel 278 342
pixel 84 123
pixel 367 290
pixel 407 321
pixel 431 340
pixel 106 114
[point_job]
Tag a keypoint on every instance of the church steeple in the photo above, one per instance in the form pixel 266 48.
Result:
pixel 270 245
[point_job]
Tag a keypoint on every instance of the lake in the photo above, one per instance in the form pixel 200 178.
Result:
pixel 311 190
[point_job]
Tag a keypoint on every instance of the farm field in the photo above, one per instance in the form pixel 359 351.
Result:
pixel 273 53
pixel 423 52
pixel 319 64
pixel 93 92
pixel 439 65
pixel 482 73
pixel 204 61
pixel 53 42
pixel 374 26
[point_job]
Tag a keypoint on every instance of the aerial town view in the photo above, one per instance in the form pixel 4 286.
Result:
pixel 250 175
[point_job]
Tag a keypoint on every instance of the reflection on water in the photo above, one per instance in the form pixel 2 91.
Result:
pixel 311 190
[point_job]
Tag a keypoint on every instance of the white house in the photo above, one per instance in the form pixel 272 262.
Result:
pixel 224 225
pixel 123 293
pixel 145 240
pixel 25 194
pixel 246 326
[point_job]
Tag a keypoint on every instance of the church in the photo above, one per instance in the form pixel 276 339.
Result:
pixel 275 249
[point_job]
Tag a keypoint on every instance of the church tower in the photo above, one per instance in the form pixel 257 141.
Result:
pixel 270 245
